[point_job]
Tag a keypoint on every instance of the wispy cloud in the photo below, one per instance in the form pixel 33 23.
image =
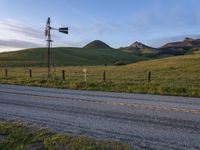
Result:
pixel 14 34
pixel 27 31
pixel 18 44
pixel 18 35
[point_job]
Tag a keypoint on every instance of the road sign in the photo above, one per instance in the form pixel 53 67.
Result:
pixel 84 70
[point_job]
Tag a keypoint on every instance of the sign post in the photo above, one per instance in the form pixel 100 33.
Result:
pixel 85 74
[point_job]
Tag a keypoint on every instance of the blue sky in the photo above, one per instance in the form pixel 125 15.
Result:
pixel 116 22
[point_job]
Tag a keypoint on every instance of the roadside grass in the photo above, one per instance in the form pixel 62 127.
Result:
pixel 179 76
pixel 18 136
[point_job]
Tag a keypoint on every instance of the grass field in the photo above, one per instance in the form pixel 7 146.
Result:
pixel 66 57
pixel 178 76
pixel 17 136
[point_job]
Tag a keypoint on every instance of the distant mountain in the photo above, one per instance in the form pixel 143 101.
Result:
pixel 188 45
pixel 138 45
pixel 139 49
pixel 97 44
pixel 188 42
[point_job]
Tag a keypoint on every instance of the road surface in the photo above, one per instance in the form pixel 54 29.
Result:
pixel 156 122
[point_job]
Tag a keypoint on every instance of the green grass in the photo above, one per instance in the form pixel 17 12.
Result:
pixel 17 136
pixel 66 57
pixel 179 76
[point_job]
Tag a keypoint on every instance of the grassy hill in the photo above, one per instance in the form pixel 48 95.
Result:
pixel 178 75
pixel 97 53
pixel 140 49
pixel 97 44
pixel 187 46
pixel 66 57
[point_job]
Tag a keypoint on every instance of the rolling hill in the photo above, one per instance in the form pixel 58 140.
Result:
pixel 66 57
pixel 96 53
pixel 140 49
pixel 97 44
pixel 187 46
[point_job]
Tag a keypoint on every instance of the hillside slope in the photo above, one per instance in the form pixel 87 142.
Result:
pixel 187 46
pixel 178 75
pixel 97 53
pixel 97 44
pixel 140 49
pixel 66 57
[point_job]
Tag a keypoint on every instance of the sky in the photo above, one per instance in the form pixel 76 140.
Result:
pixel 118 23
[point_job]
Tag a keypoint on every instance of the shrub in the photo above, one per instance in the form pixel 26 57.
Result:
pixel 119 63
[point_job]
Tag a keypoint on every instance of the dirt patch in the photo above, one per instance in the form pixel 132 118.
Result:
pixel 36 146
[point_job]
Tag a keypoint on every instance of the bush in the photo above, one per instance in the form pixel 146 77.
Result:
pixel 119 63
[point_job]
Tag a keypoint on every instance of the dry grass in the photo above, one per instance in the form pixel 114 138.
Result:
pixel 170 76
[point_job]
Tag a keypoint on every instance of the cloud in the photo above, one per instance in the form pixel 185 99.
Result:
pixel 27 31
pixel 18 44
pixel 17 35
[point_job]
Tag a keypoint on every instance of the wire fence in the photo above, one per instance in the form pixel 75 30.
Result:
pixel 100 75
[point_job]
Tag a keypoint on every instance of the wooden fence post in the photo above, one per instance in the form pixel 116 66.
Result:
pixel 149 77
pixel 6 72
pixel 104 76
pixel 30 73
pixel 63 74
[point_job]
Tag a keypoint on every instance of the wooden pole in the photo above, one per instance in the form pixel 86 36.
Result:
pixel 6 72
pixel 30 73
pixel 63 74
pixel 149 76
pixel 104 76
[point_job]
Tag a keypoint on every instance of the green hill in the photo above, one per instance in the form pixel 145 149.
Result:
pixel 96 53
pixel 66 57
pixel 97 44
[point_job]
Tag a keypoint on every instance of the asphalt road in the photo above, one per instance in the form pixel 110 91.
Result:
pixel 157 122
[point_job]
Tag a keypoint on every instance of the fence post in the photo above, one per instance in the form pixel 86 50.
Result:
pixel 30 73
pixel 6 72
pixel 104 76
pixel 63 74
pixel 149 77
